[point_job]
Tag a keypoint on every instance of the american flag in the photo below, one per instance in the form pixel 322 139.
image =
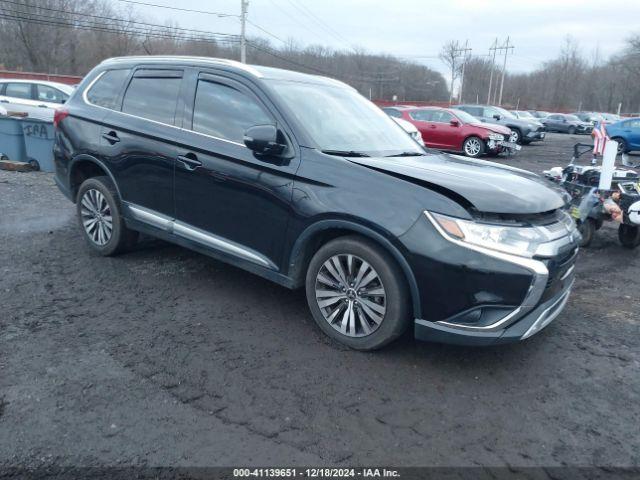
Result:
pixel 599 139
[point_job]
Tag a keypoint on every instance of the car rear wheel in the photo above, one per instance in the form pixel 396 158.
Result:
pixel 357 294
pixel 100 217
pixel 473 147
pixel 629 235
pixel 587 230
pixel 622 145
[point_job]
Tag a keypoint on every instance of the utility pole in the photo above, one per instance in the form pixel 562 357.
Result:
pixel 464 63
pixel 493 63
pixel 244 4
pixel 506 49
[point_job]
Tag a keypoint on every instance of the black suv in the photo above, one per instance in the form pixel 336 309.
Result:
pixel 523 131
pixel 303 181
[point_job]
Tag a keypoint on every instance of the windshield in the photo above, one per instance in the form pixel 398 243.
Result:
pixel 464 116
pixel 505 113
pixel 339 119
pixel 522 114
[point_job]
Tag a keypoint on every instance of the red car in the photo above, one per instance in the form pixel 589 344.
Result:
pixel 455 130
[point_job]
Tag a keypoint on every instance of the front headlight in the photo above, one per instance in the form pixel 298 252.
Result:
pixel 496 136
pixel 521 241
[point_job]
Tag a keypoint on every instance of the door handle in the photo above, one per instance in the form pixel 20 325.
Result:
pixel 43 106
pixel 111 137
pixel 189 161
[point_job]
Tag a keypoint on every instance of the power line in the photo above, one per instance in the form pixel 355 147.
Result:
pixel 217 14
pixel 92 26
pixel 303 8
pixel 265 31
pixel 112 19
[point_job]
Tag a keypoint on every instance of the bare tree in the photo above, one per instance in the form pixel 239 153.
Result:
pixel 449 54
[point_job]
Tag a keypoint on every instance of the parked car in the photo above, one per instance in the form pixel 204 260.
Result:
pixel 301 180
pixel 566 123
pixel 539 114
pixel 524 131
pixel 37 98
pixel 627 133
pixel 411 129
pixel 589 117
pixel 454 130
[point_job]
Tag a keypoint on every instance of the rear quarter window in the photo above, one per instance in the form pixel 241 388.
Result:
pixel 107 89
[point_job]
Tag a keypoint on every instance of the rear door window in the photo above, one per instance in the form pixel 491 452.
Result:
pixel 422 115
pixel 46 93
pixel 107 90
pixel 153 94
pixel 19 90
pixel 225 112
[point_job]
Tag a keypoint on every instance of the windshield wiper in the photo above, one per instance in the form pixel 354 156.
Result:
pixel 345 153
pixel 406 154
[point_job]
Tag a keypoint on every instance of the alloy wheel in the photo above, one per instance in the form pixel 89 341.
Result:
pixel 472 147
pixel 514 137
pixel 350 295
pixel 96 217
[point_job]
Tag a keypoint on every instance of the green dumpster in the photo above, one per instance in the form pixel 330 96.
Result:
pixel 11 139
pixel 38 141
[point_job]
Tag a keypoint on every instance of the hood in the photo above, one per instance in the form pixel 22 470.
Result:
pixel 493 127
pixel 522 123
pixel 488 187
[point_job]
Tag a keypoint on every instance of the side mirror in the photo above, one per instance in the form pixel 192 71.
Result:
pixel 497 116
pixel 564 120
pixel 454 123
pixel 263 140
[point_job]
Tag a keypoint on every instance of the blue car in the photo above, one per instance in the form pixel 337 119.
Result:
pixel 627 133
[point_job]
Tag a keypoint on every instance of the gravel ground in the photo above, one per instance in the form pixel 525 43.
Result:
pixel 164 357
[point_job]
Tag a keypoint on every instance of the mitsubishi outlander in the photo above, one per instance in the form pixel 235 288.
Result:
pixel 301 180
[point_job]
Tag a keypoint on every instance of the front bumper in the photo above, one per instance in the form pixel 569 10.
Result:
pixel 523 328
pixel 536 135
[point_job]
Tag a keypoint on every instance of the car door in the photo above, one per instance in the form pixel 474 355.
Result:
pixel 49 97
pixel 552 122
pixel 227 198
pixel 444 133
pixel 18 93
pixel 632 133
pixel 422 119
pixel 140 142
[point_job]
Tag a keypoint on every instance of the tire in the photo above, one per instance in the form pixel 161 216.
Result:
pixel 516 136
pixel 473 147
pixel 101 191
pixel 622 145
pixel 629 235
pixel 587 230
pixel 371 325
pixel 35 166
pixel 571 131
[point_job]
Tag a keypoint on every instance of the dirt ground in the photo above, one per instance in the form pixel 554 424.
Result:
pixel 164 357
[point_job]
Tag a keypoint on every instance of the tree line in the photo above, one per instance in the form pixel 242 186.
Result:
pixel 573 81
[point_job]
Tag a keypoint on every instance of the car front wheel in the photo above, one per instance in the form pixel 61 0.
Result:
pixel 100 218
pixel 357 294
pixel 473 147
pixel 516 136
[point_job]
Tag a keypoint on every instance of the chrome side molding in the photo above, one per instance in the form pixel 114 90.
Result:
pixel 202 237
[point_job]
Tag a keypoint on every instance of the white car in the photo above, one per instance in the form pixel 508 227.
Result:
pixel 411 129
pixel 37 98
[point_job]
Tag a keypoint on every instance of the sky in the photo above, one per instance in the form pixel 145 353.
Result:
pixel 416 30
